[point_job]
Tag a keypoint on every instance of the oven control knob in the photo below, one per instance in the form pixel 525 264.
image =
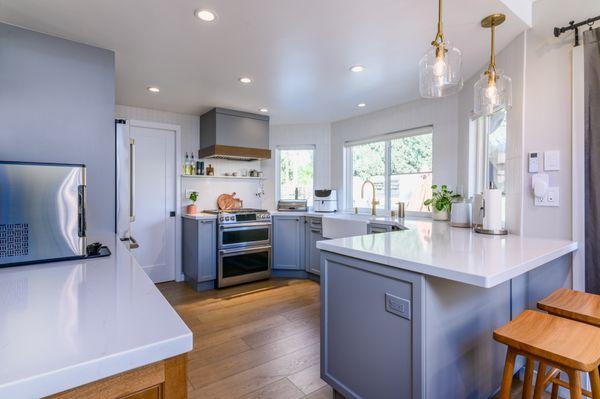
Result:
pixel 221 219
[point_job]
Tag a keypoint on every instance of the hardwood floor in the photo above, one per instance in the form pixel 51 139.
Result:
pixel 258 340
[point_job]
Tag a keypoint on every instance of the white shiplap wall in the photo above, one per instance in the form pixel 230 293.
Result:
pixel 190 124
pixel 318 135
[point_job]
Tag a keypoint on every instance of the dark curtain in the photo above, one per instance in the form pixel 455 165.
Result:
pixel 591 40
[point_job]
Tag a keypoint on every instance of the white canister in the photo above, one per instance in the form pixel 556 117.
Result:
pixel 460 215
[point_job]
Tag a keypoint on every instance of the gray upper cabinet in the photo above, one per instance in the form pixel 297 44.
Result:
pixel 199 250
pixel 288 242
pixel 314 233
pixel 226 127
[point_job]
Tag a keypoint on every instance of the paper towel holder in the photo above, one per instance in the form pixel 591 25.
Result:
pixel 478 228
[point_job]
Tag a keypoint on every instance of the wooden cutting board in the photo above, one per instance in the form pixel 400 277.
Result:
pixel 228 201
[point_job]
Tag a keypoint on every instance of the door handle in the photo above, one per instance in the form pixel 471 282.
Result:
pixel 132 180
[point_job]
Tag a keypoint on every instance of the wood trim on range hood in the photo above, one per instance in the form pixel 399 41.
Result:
pixel 235 153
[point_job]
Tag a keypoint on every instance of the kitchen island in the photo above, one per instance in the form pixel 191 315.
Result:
pixel 67 324
pixel 410 313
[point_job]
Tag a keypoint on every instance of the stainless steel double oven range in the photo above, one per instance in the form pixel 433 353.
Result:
pixel 244 246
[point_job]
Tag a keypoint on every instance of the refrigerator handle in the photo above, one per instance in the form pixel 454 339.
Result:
pixel 132 180
pixel 81 208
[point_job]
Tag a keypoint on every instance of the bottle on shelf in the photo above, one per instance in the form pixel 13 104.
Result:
pixel 192 166
pixel 186 164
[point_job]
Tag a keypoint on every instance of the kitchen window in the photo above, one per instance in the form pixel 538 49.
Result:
pixel 398 164
pixel 491 145
pixel 295 173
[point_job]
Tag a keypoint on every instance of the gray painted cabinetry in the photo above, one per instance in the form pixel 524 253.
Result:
pixel 200 253
pixel 288 242
pixel 390 333
pixel 312 254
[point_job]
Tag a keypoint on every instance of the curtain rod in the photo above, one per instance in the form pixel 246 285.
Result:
pixel 575 26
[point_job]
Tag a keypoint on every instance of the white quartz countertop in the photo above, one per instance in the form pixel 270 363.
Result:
pixel 200 216
pixel 66 324
pixel 458 254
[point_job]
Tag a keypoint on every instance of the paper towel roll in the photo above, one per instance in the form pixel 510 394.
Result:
pixel 492 219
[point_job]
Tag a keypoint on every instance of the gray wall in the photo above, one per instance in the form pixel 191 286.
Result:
pixel 57 104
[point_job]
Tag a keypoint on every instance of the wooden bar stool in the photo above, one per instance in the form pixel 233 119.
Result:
pixel 565 345
pixel 574 305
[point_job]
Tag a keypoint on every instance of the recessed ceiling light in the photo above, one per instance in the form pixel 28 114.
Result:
pixel 361 105
pixel 245 80
pixel 205 15
pixel 264 110
pixel 357 68
pixel 153 89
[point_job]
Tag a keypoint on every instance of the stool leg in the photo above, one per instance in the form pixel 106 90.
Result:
pixel 539 382
pixel 555 388
pixel 595 379
pixel 507 377
pixel 528 378
pixel 574 384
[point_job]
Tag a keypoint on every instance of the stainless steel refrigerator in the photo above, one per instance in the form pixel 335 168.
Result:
pixel 42 212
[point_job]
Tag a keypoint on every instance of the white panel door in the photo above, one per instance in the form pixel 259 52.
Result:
pixel 154 185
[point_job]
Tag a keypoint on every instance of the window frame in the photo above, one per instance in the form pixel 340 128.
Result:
pixel 278 150
pixel 387 139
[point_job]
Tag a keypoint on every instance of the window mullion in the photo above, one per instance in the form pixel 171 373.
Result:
pixel 388 172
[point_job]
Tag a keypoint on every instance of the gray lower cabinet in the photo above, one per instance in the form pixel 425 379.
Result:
pixel 314 233
pixel 288 242
pixel 371 329
pixel 199 252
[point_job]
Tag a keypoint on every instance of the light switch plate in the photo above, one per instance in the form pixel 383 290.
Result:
pixel 398 306
pixel 552 198
pixel 551 160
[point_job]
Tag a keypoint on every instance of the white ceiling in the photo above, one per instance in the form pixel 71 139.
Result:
pixel 297 51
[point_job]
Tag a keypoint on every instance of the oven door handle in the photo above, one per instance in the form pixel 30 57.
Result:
pixel 243 226
pixel 244 250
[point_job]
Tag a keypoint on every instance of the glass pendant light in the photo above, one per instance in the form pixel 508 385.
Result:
pixel 440 69
pixel 493 91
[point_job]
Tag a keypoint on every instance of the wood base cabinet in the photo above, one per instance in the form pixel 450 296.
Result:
pixel 161 380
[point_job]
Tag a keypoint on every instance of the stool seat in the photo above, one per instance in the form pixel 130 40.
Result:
pixel 562 341
pixel 575 305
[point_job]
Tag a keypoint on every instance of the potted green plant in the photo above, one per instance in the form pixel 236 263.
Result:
pixel 441 201
pixel 192 208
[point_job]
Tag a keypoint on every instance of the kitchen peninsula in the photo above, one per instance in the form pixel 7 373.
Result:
pixel 75 326
pixel 411 313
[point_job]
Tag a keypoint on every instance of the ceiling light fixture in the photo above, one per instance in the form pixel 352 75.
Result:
pixel 440 69
pixel 153 89
pixel 493 91
pixel 361 105
pixel 245 80
pixel 357 68
pixel 205 15
pixel 264 110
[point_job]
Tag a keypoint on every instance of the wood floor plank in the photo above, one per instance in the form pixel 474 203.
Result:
pixel 280 331
pixel 219 370
pixel 323 393
pixel 308 380
pixel 282 389
pixel 260 376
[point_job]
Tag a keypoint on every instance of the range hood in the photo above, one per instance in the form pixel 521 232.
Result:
pixel 236 135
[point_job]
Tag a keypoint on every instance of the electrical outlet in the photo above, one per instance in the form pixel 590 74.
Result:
pixel 398 306
pixel 552 198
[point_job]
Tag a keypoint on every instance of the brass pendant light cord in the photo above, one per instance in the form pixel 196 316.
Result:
pixel 439 38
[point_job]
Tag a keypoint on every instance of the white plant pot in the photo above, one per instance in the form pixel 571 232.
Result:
pixel 440 215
